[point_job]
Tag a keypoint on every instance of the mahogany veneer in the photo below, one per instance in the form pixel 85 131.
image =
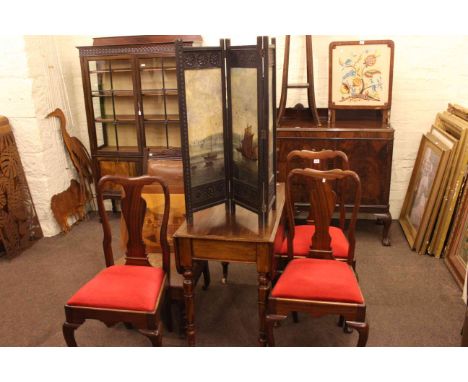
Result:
pixel 369 146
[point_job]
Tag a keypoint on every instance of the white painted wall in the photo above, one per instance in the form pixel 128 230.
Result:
pixel 429 72
pixel 40 73
pixel 32 84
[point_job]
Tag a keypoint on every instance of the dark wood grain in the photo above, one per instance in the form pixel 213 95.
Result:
pixel 144 39
pixel 369 147
pixel 309 86
pixel 218 235
pixel 133 49
pixel 133 210
pixel 323 200
pixel 19 224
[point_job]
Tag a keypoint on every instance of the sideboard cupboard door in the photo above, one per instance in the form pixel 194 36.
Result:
pixel 369 149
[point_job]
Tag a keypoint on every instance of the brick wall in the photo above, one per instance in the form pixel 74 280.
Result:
pixel 429 72
pixel 43 72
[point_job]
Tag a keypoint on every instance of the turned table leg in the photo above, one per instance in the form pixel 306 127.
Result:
pixel 189 306
pixel 263 291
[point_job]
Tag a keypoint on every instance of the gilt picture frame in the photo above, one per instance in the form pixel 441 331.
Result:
pixel 451 143
pixel 424 186
pixel 458 128
pixel 360 74
pixel 456 253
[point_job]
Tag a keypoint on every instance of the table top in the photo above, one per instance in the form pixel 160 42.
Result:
pixel 215 223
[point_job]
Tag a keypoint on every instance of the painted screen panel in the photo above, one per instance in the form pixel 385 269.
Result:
pixel 204 100
pixel 271 120
pixel 244 111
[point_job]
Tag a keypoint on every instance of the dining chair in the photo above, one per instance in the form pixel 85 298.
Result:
pixel 343 240
pixel 134 292
pixel 317 283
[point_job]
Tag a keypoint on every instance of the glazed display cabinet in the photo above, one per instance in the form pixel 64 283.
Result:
pixel 131 99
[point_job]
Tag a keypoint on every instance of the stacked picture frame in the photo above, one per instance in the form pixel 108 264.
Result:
pixel 424 188
pixel 433 215
pixel 227 102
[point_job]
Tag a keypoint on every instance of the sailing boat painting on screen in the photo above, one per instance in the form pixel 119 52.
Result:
pixel 248 148
pixel 244 125
pixel 205 125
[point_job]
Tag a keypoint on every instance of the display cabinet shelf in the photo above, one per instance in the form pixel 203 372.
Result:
pixel 170 118
pixel 117 119
pixel 110 93
pixel 118 148
pixel 158 92
pixel 131 99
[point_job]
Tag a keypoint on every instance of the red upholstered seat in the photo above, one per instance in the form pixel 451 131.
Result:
pixel 317 279
pixel 303 238
pixel 125 287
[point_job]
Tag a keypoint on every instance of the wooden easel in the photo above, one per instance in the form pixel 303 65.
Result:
pixel 309 85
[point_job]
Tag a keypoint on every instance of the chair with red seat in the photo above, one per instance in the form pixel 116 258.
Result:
pixel 132 293
pixel 301 243
pixel 318 284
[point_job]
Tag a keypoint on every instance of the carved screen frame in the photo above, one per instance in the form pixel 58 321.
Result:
pixel 261 57
pixel 191 59
pixel 259 199
pixel 386 44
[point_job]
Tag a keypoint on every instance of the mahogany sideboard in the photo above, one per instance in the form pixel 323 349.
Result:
pixel 369 146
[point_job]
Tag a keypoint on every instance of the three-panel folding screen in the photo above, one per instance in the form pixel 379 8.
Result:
pixel 227 108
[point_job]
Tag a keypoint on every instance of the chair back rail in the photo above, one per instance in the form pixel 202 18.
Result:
pixel 133 208
pixel 323 202
pixel 322 160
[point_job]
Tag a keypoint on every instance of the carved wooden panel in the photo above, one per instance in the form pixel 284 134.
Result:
pixel 368 158
pixel 19 225
pixel 68 203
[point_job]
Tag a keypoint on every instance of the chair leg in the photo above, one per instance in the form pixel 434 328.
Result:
pixel 362 328
pixel 206 276
pixel 225 265
pixel 295 317
pixel 167 312
pixel 69 333
pixel 342 323
pixel 270 321
pixel 182 319
pixel 155 336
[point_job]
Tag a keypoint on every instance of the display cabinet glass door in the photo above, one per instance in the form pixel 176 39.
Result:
pixel 160 108
pixel 112 91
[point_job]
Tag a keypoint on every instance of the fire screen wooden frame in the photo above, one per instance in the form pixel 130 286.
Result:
pixel 360 76
pixel 227 105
